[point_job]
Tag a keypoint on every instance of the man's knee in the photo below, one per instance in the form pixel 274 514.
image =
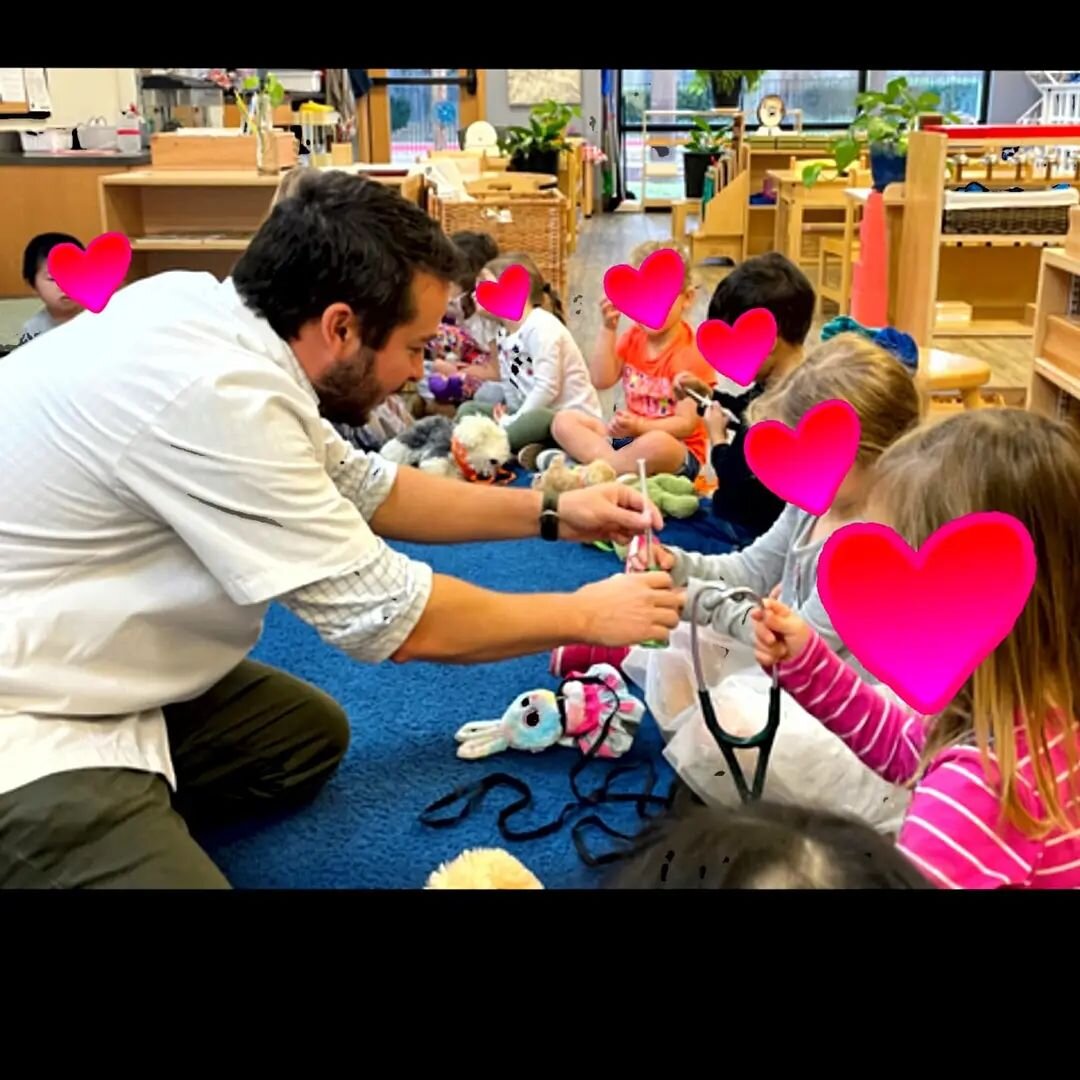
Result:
pixel 329 730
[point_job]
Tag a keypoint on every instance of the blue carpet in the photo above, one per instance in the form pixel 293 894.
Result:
pixel 362 831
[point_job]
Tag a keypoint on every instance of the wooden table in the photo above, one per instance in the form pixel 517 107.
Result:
pixel 803 213
pixel 944 372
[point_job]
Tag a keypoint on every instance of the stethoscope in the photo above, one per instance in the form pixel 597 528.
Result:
pixel 762 741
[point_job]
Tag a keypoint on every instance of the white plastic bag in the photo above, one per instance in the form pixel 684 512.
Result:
pixel 809 766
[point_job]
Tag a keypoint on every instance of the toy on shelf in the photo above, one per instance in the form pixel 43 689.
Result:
pixel 594 712
pixel 475 448
pixel 483 868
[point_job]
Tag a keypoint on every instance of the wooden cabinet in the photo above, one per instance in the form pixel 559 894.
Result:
pixel 48 197
pixel 1055 376
pixel 185 220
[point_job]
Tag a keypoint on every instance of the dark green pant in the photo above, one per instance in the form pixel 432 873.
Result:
pixel 257 739
pixel 531 427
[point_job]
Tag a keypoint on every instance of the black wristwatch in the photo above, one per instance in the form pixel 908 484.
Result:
pixel 549 516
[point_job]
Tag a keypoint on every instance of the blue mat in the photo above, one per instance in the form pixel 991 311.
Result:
pixel 362 831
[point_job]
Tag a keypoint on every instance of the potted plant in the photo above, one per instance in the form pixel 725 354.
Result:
pixel 536 148
pixel 727 86
pixel 884 121
pixel 704 144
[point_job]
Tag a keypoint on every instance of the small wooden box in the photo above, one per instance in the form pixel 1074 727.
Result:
pixel 169 150
pixel 1061 346
pixel 951 313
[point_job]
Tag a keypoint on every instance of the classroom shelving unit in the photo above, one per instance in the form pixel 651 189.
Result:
pixel 185 219
pixel 673 139
pixel 995 276
pixel 1054 389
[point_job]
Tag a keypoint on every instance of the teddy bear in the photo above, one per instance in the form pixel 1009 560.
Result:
pixel 474 448
pixel 483 868
pixel 559 476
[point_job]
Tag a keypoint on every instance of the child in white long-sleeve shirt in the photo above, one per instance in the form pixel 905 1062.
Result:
pixel 540 370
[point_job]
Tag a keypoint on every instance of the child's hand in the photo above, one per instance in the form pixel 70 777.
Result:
pixel 498 412
pixel 687 380
pixel 625 425
pixel 779 634
pixel 609 313
pixel 716 421
pixel 635 557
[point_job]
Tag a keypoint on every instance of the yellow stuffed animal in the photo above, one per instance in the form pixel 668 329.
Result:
pixel 559 476
pixel 483 868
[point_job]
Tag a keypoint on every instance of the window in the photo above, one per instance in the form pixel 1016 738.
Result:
pixel 422 118
pixel 961 92
pixel 827 98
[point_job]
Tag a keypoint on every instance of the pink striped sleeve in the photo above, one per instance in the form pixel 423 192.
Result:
pixel 886 737
pixel 953 833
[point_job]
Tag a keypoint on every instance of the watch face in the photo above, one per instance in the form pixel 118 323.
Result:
pixel 771 110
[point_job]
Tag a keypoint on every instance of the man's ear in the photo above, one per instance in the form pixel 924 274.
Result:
pixel 339 324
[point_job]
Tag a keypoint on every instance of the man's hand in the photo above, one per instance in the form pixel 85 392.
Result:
pixel 616 512
pixel 625 425
pixel 628 609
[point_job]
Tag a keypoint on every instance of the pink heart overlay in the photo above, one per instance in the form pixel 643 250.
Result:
pixel 91 277
pixel 646 294
pixel 922 621
pixel 806 466
pixel 738 351
pixel 506 297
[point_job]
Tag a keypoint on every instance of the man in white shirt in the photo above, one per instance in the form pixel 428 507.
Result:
pixel 169 469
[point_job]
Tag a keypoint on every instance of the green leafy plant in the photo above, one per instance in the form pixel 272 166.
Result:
pixel 705 139
pixel 885 118
pixel 269 86
pixel 546 130
pixel 724 82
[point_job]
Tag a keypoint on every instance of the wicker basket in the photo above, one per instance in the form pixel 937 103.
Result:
pixel 995 214
pixel 533 224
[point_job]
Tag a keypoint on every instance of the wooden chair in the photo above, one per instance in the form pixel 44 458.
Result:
pixel 835 247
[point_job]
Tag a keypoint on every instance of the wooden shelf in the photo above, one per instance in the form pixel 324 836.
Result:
pixel 763 206
pixel 190 243
pixel 192 178
pixel 1063 380
pixel 1002 240
pixel 985 328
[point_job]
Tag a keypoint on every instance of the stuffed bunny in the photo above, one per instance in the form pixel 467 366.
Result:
pixel 574 716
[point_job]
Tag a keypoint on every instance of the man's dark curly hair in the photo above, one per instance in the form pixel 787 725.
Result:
pixel 340 239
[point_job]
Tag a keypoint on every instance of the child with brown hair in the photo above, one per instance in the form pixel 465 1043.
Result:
pixel 540 368
pixel 655 425
pixel 996 775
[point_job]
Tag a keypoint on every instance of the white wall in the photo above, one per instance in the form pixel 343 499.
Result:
pixel 1011 95
pixel 499 112
pixel 81 93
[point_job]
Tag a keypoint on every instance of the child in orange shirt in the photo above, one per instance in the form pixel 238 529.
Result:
pixel 666 432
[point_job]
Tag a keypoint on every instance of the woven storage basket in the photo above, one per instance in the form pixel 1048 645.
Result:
pixel 1035 213
pixel 533 224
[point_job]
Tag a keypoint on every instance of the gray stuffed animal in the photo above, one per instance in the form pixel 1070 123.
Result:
pixel 428 445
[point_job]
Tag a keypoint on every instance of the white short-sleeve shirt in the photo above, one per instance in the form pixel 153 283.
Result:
pixel 165 474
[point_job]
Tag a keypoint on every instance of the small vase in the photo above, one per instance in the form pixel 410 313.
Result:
pixel 266 147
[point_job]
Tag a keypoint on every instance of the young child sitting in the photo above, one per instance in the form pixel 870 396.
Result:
pixel 996 775
pixel 764 846
pixel 540 368
pixel 58 308
pixel 667 433
pixel 466 336
pixel 742 507
pixel 882 393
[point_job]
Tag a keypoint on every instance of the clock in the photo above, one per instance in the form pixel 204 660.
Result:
pixel 771 113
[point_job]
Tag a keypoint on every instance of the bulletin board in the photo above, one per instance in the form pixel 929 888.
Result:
pixel 24 92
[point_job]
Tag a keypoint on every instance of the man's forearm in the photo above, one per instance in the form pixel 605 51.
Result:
pixel 466 624
pixel 430 509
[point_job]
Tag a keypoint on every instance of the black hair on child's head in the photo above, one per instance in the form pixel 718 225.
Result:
pixel 332 240
pixel 37 251
pixel 764 846
pixel 477 247
pixel 769 281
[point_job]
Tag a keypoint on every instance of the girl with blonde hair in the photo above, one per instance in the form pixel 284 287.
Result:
pixel 994 775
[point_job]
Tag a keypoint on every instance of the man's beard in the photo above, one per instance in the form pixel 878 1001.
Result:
pixel 349 390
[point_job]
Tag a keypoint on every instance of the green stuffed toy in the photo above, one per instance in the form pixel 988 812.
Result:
pixel 674 496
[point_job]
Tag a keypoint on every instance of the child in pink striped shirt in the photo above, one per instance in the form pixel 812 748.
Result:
pixel 996 776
